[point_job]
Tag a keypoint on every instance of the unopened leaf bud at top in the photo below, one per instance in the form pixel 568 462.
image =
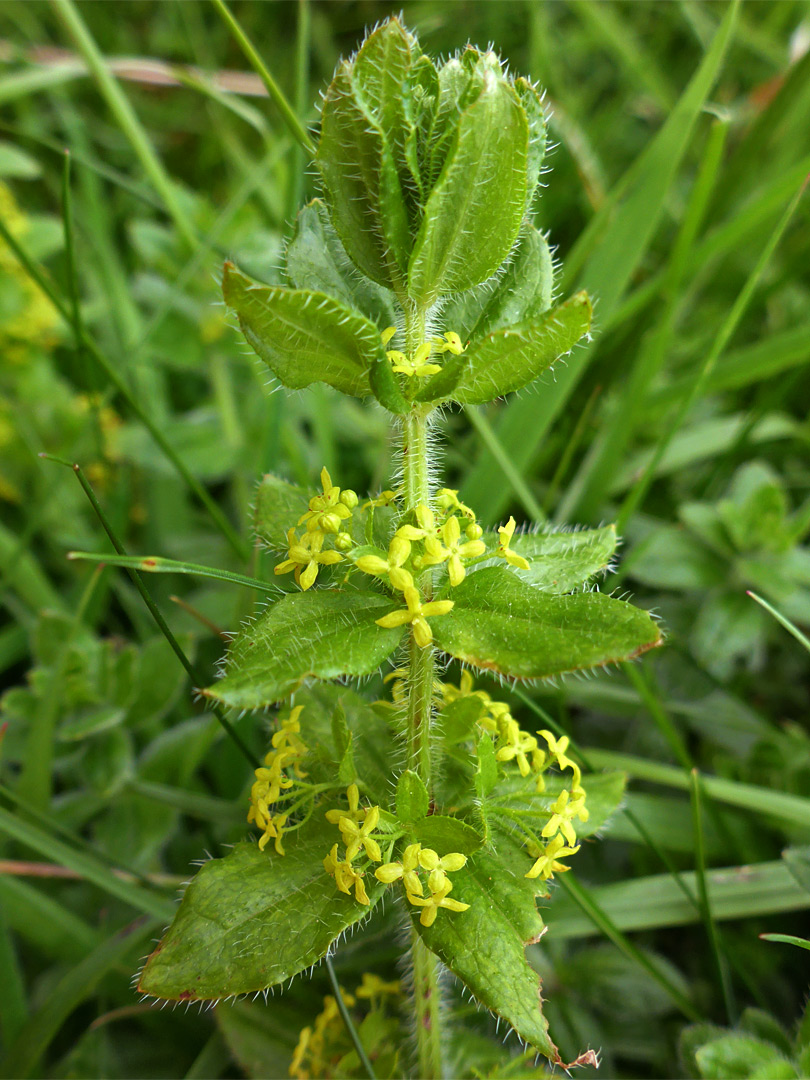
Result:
pixel 450 161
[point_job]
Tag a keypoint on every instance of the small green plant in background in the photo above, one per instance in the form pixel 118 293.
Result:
pixel 420 282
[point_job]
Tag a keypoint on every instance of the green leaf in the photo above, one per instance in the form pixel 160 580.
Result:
pixel 373 747
pixel 302 336
pixel 485 945
pixel 347 774
pixel 740 1057
pixel 321 634
pixel 413 801
pixel 317 261
pixel 365 202
pixel 514 799
pixel 509 359
pixel 520 294
pixel 386 389
pixel 473 213
pixel 562 561
pixel 444 833
pixel 254 919
pixel 277 508
pixel 499 623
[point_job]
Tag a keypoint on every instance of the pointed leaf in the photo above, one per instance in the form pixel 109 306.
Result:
pixel 473 214
pixel 413 801
pixel 304 337
pixel 445 834
pixel 317 261
pixel 562 561
pixel 485 945
pixel 509 359
pixel 499 623
pixel 321 634
pixel 254 919
pixel 350 157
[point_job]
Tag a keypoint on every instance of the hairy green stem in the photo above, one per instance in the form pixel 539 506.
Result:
pixel 421 675
pixel 427 1001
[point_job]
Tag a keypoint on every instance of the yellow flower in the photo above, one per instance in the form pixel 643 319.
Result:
pixel 385 498
pixel 547 864
pixel 305 557
pixel 517 745
pixel 505 533
pixel 415 365
pixel 562 811
pixel 356 812
pixel 557 749
pixel 426 527
pixel 438 899
pixel 327 511
pixel 447 499
pixel 452 693
pixel 453 550
pixel 416 615
pixel 398 551
pixel 439 883
pixel 407 870
pixel 345 876
pixel 373 987
pixel 387 334
pixel 356 836
pixel 451 343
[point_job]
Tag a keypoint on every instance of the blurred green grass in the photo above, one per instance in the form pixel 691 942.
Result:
pixel 683 137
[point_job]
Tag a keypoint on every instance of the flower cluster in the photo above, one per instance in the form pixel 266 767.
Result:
pixel 325 519
pixel 417 364
pixel 357 825
pixel 516 745
pixel 288 748
pixel 419 545
pixel 414 859
pixel 323 1042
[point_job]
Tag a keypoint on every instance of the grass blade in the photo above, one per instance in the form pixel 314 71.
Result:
pixel 788 625
pixel 154 611
pixel 627 233
pixel 790 809
pixel 294 125
pixel 88 866
pixel 154 564
pixel 705 904
pixel 637 493
pixel 119 105
pixel 592 909
pixel 739 892
pixel 74 988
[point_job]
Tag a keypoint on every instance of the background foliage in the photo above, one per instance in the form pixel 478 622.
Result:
pixel 686 419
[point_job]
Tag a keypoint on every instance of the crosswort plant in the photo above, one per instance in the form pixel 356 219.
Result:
pixel 418 281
